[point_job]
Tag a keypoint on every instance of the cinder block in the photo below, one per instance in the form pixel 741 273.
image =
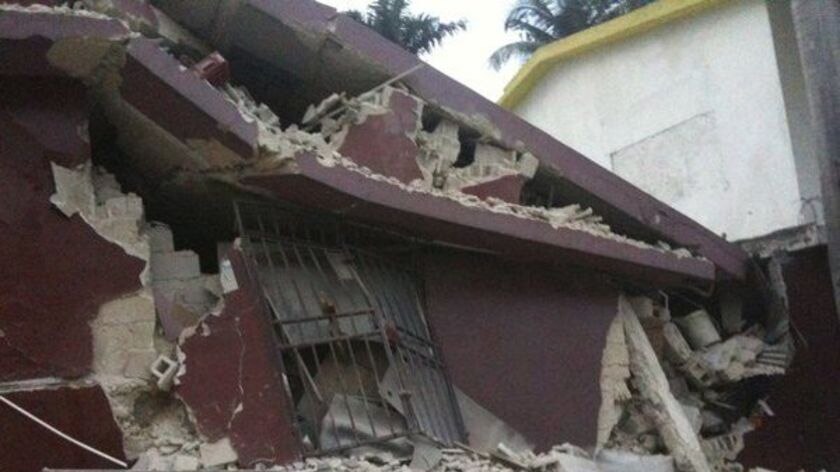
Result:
pixel 160 238
pixel 175 265
pixel 138 363
pixel 192 293
pixel 128 206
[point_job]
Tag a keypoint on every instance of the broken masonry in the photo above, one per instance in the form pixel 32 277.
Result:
pixel 228 257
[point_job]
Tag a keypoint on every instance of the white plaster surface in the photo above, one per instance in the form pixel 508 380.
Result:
pixel 694 113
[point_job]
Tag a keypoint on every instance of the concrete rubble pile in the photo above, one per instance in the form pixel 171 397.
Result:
pixel 674 384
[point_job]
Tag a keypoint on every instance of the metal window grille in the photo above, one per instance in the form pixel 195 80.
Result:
pixel 357 353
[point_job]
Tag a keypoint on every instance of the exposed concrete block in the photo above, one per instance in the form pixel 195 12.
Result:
pixel 121 329
pixel 120 229
pixel 528 165
pixel 164 369
pixel 137 363
pixel 217 454
pixel 125 206
pixel 81 190
pixel 191 293
pixel 439 151
pixel 175 265
pixel 698 329
pixel 160 237
pixel 487 154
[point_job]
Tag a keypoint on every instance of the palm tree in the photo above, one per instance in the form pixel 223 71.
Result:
pixel 540 22
pixel 416 33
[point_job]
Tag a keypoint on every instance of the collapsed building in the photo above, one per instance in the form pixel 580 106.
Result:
pixel 253 233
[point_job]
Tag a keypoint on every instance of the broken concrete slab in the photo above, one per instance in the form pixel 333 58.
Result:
pixel 672 423
pixel 615 372
pixel 178 265
pixel 384 141
pixel 217 454
pixel 250 405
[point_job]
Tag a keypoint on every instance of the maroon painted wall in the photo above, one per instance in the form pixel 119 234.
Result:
pixel 83 413
pixel 805 433
pixel 522 340
pixel 233 382
pixel 56 271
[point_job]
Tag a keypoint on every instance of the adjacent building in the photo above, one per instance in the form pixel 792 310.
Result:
pixel 700 103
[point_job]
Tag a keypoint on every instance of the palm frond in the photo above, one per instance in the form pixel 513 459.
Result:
pixel 520 49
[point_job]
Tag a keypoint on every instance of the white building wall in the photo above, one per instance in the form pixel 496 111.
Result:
pixel 692 112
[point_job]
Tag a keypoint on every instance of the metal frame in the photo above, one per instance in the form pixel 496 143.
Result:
pixel 350 329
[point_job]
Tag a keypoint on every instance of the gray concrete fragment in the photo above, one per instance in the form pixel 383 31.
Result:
pixel 217 454
pixel 673 425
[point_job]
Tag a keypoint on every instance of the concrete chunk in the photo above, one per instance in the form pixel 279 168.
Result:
pixel 175 265
pixel 160 238
pixel 217 454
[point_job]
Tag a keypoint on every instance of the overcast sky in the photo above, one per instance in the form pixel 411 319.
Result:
pixel 464 56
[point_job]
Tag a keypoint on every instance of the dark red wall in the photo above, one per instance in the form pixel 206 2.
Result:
pixel 805 433
pixel 233 382
pixel 524 341
pixel 56 271
pixel 83 413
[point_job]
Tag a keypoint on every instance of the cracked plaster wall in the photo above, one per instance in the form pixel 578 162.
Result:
pixel 233 350
pixel 58 269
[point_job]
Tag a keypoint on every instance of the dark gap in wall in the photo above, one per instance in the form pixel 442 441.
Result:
pixel 430 119
pixel 200 213
pixel 468 139
pixel 286 94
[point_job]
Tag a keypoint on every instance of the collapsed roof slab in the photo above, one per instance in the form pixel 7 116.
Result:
pixel 151 78
pixel 352 194
pixel 44 43
pixel 321 45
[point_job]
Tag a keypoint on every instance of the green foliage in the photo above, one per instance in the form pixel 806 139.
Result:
pixel 416 33
pixel 540 22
